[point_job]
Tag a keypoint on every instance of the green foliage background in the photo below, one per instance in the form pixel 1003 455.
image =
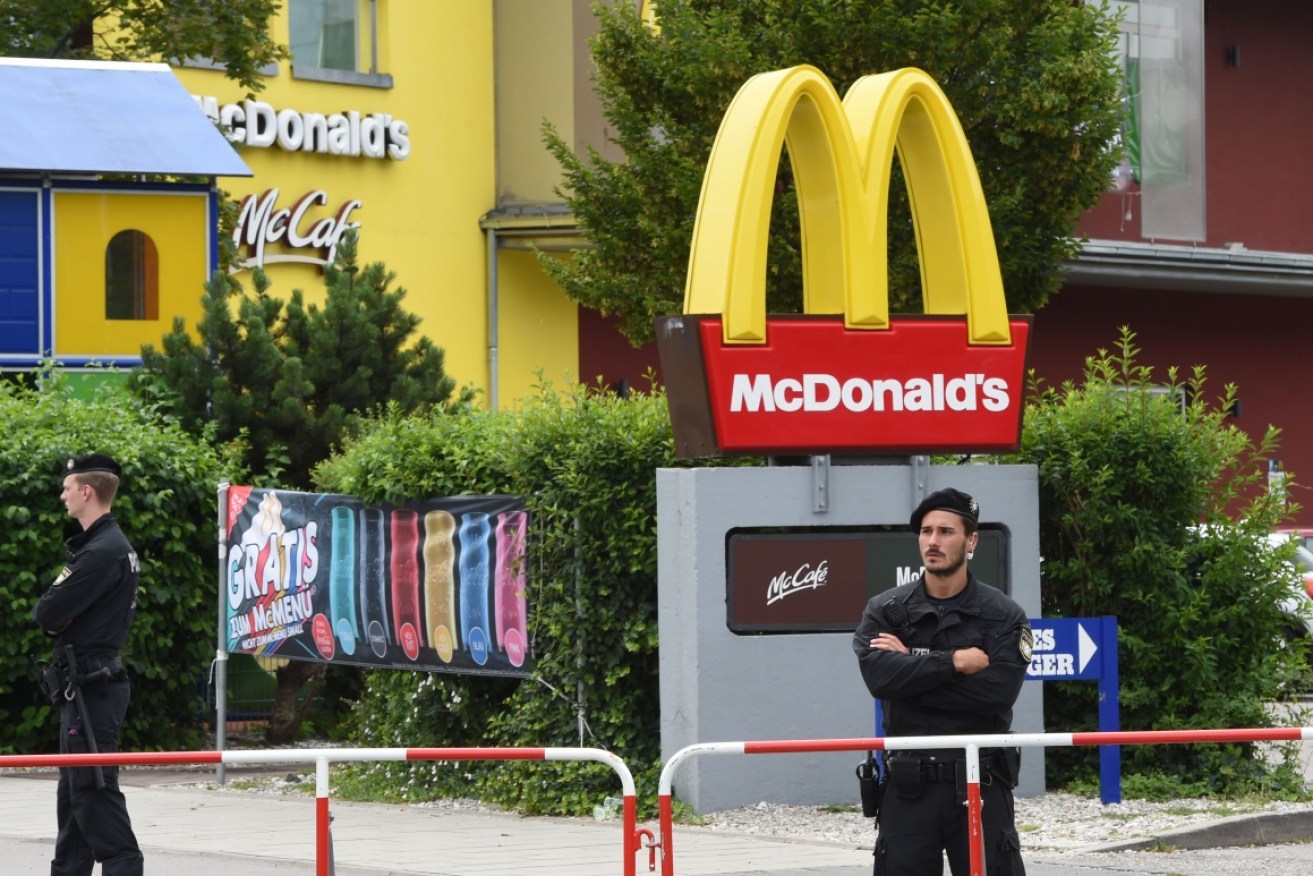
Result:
pixel 1126 477
pixel 1035 83
pixel 234 32
pixel 166 507
pixel 585 463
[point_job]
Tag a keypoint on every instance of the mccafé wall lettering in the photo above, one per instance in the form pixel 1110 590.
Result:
pixel 261 223
pixel 256 123
pixel 814 382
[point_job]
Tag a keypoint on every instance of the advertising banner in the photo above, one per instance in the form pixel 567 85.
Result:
pixel 435 586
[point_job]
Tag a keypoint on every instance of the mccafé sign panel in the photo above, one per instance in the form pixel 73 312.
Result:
pixel 843 376
pixel 818 580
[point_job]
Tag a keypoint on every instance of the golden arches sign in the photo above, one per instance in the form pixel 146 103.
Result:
pixel 842 153
pixel 869 382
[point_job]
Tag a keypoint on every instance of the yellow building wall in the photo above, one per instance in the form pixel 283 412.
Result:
pixel 84 222
pixel 538 329
pixel 420 216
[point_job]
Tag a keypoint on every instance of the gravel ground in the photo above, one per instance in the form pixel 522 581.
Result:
pixel 1055 821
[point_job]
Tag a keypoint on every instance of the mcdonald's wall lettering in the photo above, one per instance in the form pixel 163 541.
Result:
pixel 844 375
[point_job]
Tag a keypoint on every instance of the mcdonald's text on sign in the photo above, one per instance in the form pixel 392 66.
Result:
pixel 843 376
pixel 818 386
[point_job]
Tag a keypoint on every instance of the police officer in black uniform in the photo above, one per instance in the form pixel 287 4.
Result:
pixel 88 611
pixel 946 654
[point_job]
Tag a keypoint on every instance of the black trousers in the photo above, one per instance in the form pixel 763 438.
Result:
pixel 915 833
pixel 93 822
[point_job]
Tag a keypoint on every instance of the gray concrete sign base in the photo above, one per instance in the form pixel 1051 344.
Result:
pixel 719 686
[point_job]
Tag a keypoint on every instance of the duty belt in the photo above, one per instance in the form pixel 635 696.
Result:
pixel 94 669
pixel 946 770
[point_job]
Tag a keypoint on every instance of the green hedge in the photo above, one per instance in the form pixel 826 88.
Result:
pixel 585 463
pixel 1126 478
pixel 166 508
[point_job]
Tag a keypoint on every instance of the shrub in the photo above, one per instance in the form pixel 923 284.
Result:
pixel 1154 510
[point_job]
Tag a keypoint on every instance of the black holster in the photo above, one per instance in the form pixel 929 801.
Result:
pixel 1009 766
pixel 50 680
pixel 868 784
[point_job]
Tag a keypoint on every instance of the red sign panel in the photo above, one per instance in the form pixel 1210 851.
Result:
pixel 815 386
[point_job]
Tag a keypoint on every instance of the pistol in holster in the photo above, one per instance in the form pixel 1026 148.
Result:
pixel 50 680
pixel 868 784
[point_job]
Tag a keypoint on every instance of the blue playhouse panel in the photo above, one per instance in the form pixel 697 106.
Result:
pixel 20 274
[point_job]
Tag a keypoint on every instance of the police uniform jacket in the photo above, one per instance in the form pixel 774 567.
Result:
pixel 921 692
pixel 91 604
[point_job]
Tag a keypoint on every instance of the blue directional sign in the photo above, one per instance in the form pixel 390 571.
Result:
pixel 1077 649
pixel 1065 649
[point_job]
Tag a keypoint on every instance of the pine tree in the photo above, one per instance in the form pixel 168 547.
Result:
pixel 283 382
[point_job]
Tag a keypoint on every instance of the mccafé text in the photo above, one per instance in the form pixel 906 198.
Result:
pixel 825 392
pixel 260 222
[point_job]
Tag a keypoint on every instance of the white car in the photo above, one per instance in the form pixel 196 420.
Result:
pixel 1298 604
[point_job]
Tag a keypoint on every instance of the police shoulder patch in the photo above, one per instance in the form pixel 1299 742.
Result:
pixel 1027 644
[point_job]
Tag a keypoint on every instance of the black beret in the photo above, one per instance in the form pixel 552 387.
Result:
pixel 89 462
pixel 946 500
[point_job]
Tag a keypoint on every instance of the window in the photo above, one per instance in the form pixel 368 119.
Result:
pixel 336 41
pixel 132 277
pixel 1162 43
pixel 324 33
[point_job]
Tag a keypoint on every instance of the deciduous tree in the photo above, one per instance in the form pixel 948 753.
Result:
pixel 1036 84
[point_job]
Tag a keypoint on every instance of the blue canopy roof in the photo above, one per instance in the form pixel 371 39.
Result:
pixel 106 117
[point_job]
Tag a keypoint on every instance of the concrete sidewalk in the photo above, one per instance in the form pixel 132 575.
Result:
pixel 264 829
pixel 187 828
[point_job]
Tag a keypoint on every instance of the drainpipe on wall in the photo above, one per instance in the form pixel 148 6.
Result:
pixel 535 228
pixel 492 318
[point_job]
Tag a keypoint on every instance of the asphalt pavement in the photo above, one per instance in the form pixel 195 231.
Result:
pixel 186 828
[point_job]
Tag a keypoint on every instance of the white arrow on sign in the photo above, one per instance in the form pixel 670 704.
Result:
pixel 1087 647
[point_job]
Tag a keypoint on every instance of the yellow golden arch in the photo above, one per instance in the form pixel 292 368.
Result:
pixel 842 152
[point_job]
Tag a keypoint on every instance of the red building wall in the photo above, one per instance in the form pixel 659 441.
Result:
pixel 1258 343
pixel 1258 128
pixel 1259 193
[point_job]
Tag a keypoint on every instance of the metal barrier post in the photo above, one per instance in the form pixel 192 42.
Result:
pixel 665 831
pixel 323 838
pixel 975 829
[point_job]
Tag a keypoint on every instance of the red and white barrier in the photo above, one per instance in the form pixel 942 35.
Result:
pixel 971 745
pixel 635 838
pixel 321 757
